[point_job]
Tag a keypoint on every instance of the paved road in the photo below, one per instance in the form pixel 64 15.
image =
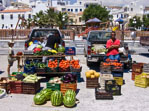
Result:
pixel 132 98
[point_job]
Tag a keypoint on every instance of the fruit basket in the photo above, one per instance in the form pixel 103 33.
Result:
pixel 101 94
pixel 92 83
pixel 4 84
pixel 65 86
pixel 16 87
pixel 30 88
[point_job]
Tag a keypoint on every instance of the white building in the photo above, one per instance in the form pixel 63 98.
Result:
pixel 77 7
pixel 9 17
pixel 146 10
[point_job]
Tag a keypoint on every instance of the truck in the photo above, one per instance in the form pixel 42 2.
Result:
pixel 41 34
pixel 95 45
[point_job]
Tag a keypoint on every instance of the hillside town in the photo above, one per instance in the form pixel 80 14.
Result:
pixel 74 55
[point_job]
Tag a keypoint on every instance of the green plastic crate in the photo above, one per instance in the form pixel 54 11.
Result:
pixel 53 86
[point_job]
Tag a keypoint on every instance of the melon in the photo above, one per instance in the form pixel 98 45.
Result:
pixel 70 93
pixel 39 99
pixel 69 101
pixel 56 98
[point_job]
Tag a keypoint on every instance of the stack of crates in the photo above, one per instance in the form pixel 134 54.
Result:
pixel 137 69
pixel 146 68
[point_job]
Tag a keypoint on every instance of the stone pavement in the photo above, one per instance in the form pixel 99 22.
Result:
pixel 132 99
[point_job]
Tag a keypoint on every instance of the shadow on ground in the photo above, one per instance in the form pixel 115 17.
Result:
pixel 144 54
pixel 1 72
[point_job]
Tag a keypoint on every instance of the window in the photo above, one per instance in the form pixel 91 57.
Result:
pixel 80 10
pixel 68 10
pixel 131 9
pixel 76 10
pixel 80 19
pixel 2 16
pixel 11 25
pixel 29 15
pixel 117 15
pixel 11 16
pixel 71 10
pixel 121 15
pixel 23 16
pixel 80 3
pixel 63 9
pixel 86 6
pixel 19 16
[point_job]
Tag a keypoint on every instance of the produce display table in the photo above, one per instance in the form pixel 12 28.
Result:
pixel 24 57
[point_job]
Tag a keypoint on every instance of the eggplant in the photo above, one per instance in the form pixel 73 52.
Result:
pixel 66 81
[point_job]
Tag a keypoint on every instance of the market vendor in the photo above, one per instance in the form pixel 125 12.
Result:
pixel 112 45
pixel 53 41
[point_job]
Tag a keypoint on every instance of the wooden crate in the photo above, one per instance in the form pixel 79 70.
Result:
pixel 30 88
pixel 133 75
pixel 66 86
pixel 101 94
pixel 137 67
pixel 92 83
pixel 16 87
pixel 6 85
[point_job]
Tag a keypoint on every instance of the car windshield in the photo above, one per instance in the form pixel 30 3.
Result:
pixel 44 33
pixel 99 36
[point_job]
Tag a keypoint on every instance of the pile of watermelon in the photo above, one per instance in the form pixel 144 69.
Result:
pixel 56 97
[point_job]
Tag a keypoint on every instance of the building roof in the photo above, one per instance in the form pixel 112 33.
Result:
pixel 114 7
pixel 146 8
pixel 15 10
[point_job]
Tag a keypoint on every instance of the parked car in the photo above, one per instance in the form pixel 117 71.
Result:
pixel 95 45
pixel 40 33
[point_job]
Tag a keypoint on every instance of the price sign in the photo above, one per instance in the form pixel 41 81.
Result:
pixel 70 51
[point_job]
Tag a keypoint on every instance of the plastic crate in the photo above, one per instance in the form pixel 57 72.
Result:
pixel 117 74
pixel 30 88
pixel 133 75
pixel 40 70
pixel 3 85
pixel 64 70
pixel 104 77
pixel 119 80
pixel 53 86
pixel 15 73
pixel 92 83
pixel 141 81
pixel 75 70
pixel 137 67
pixel 112 87
pixel 16 87
pixel 117 69
pixel 101 94
pixel 52 69
pixel 67 86
pixel 105 69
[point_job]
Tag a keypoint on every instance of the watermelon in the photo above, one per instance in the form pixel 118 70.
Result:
pixel 69 101
pixel 39 99
pixel 56 98
pixel 47 93
pixel 70 93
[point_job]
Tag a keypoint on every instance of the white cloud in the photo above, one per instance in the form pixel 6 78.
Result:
pixel 124 2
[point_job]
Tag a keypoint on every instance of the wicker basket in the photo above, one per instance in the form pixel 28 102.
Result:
pixel 31 88
pixel 67 86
